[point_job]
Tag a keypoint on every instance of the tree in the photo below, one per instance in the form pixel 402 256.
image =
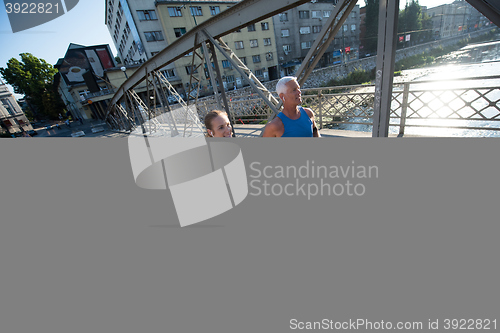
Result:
pixel 33 78
pixel 371 24
pixel 410 20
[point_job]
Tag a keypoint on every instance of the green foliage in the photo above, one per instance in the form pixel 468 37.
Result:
pixel 357 76
pixel 34 77
pixel 369 42
pixel 410 18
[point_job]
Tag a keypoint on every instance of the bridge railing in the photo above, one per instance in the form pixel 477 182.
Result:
pixel 465 103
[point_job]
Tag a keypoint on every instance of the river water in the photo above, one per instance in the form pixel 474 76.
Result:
pixel 447 97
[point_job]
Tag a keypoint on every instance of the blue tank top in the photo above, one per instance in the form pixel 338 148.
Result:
pixel 301 127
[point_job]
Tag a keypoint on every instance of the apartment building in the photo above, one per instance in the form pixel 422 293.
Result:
pixel 142 28
pixel 298 28
pixel 457 18
pixel 127 20
pixel 12 118
pixel 255 45
pixel 88 78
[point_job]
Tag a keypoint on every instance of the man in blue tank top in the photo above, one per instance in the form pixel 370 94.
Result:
pixel 294 120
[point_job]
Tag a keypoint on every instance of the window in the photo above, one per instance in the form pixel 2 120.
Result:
pixel 174 11
pixel 316 14
pixel 254 43
pixel 251 27
pixel 244 60
pixel 230 78
pixel 179 32
pixel 189 70
pixel 153 36
pixel 265 26
pixel 305 30
pixel 269 56
pixel 287 48
pixel 327 13
pixel 214 10
pixel 146 15
pixel 259 73
pixel 267 41
pixel 283 17
pixel 7 105
pixel 196 10
pixel 303 14
pixel 305 45
pixel 285 33
pixel 345 27
pixel 256 58
pixel 316 29
pixel 226 64
pixel 239 45
pixel 353 27
pixel 207 72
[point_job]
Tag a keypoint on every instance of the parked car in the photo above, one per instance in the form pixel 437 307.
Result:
pixel 32 132
pixel 48 127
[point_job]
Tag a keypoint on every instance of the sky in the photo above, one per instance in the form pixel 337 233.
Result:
pixel 83 25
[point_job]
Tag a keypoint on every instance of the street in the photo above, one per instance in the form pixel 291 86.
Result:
pixel 76 127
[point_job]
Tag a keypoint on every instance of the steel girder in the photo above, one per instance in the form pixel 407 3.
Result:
pixel 240 15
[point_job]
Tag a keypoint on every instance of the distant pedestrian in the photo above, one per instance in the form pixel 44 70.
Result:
pixel 67 123
pixel 58 127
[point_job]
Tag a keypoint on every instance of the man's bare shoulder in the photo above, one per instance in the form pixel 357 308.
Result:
pixel 309 112
pixel 274 128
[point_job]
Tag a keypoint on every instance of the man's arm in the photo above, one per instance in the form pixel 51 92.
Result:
pixel 310 113
pixel 271 130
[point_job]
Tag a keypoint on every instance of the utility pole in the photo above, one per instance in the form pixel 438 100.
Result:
pixel 343 46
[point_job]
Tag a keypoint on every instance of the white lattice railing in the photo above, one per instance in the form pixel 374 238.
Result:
pixel 469 104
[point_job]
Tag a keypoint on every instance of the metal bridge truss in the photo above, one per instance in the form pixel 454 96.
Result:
pixel 126 110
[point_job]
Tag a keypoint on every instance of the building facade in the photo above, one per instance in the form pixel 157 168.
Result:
pixel 457 18
pixel 88 78
pixel 81 73
pixel 12 118
pixel 255 45
pixel 142 28
pixel 297 29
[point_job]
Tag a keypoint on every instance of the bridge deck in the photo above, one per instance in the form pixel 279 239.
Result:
pixel 254 131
